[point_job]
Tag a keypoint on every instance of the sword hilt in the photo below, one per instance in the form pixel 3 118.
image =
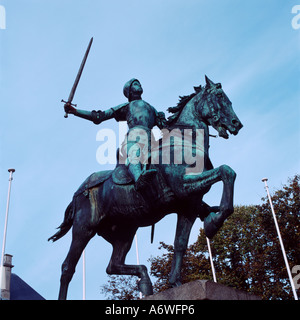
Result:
pixel 71 104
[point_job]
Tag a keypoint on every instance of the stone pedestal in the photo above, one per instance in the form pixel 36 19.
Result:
pixel 202 290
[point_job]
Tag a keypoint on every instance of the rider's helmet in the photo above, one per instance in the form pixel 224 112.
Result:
pixel 127 87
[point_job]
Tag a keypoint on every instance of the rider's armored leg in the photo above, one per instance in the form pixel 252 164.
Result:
pixel 141 176
pixel 135 170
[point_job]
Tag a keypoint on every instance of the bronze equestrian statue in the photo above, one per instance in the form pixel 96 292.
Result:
pixel 115 203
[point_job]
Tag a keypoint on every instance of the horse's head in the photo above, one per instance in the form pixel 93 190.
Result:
pixel 216 109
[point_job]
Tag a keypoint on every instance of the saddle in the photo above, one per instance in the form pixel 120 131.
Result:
pixel 93 180
pixel 121 175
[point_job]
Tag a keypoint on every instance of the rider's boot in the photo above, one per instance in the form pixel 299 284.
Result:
pixel 141 177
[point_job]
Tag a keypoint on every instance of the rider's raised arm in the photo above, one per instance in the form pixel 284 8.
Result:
pixel 118 113
pixel 97 116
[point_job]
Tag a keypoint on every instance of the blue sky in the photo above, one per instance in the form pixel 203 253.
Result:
pixel 250 47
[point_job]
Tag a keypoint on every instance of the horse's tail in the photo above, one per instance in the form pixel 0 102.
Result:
pixel 66 224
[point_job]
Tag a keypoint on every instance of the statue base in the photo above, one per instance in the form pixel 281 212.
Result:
pixel 202 290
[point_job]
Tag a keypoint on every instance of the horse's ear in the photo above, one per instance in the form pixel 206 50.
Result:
pixel 197 89
pixel 209 83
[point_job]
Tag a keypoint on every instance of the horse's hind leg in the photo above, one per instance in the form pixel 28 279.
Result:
pixel 80 238
pixel 121 246
pixel 184 226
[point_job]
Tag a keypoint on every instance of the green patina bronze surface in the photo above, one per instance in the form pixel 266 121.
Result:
pixel 114 204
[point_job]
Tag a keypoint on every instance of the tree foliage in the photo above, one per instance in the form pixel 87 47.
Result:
pixel 246 251
pixel 121 288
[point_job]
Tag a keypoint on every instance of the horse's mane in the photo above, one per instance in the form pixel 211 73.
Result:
pixel 183 100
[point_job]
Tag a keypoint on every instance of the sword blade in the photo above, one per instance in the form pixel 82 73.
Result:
pixel 72 93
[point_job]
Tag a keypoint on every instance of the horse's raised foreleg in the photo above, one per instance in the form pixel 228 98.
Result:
pixel 117 265
pixel 80 238
pixel 184 226
pixel 214 221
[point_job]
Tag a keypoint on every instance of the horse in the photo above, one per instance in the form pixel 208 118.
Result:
pixel 107 202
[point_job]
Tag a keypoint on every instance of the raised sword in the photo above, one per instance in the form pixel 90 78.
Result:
pixel 72 93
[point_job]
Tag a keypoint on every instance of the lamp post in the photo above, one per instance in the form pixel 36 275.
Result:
pixel 280 240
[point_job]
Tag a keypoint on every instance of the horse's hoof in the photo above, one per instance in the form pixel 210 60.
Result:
pixel 212 223
pixel 145 286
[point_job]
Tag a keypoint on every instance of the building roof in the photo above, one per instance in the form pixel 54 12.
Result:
pixel 20 290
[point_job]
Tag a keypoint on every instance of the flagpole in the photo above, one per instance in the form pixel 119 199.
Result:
pixel 11 171
pixel 137 257
pixel 211 260
pixel 280 240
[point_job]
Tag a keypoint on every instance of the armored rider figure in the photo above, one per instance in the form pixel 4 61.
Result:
pixel 141 117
